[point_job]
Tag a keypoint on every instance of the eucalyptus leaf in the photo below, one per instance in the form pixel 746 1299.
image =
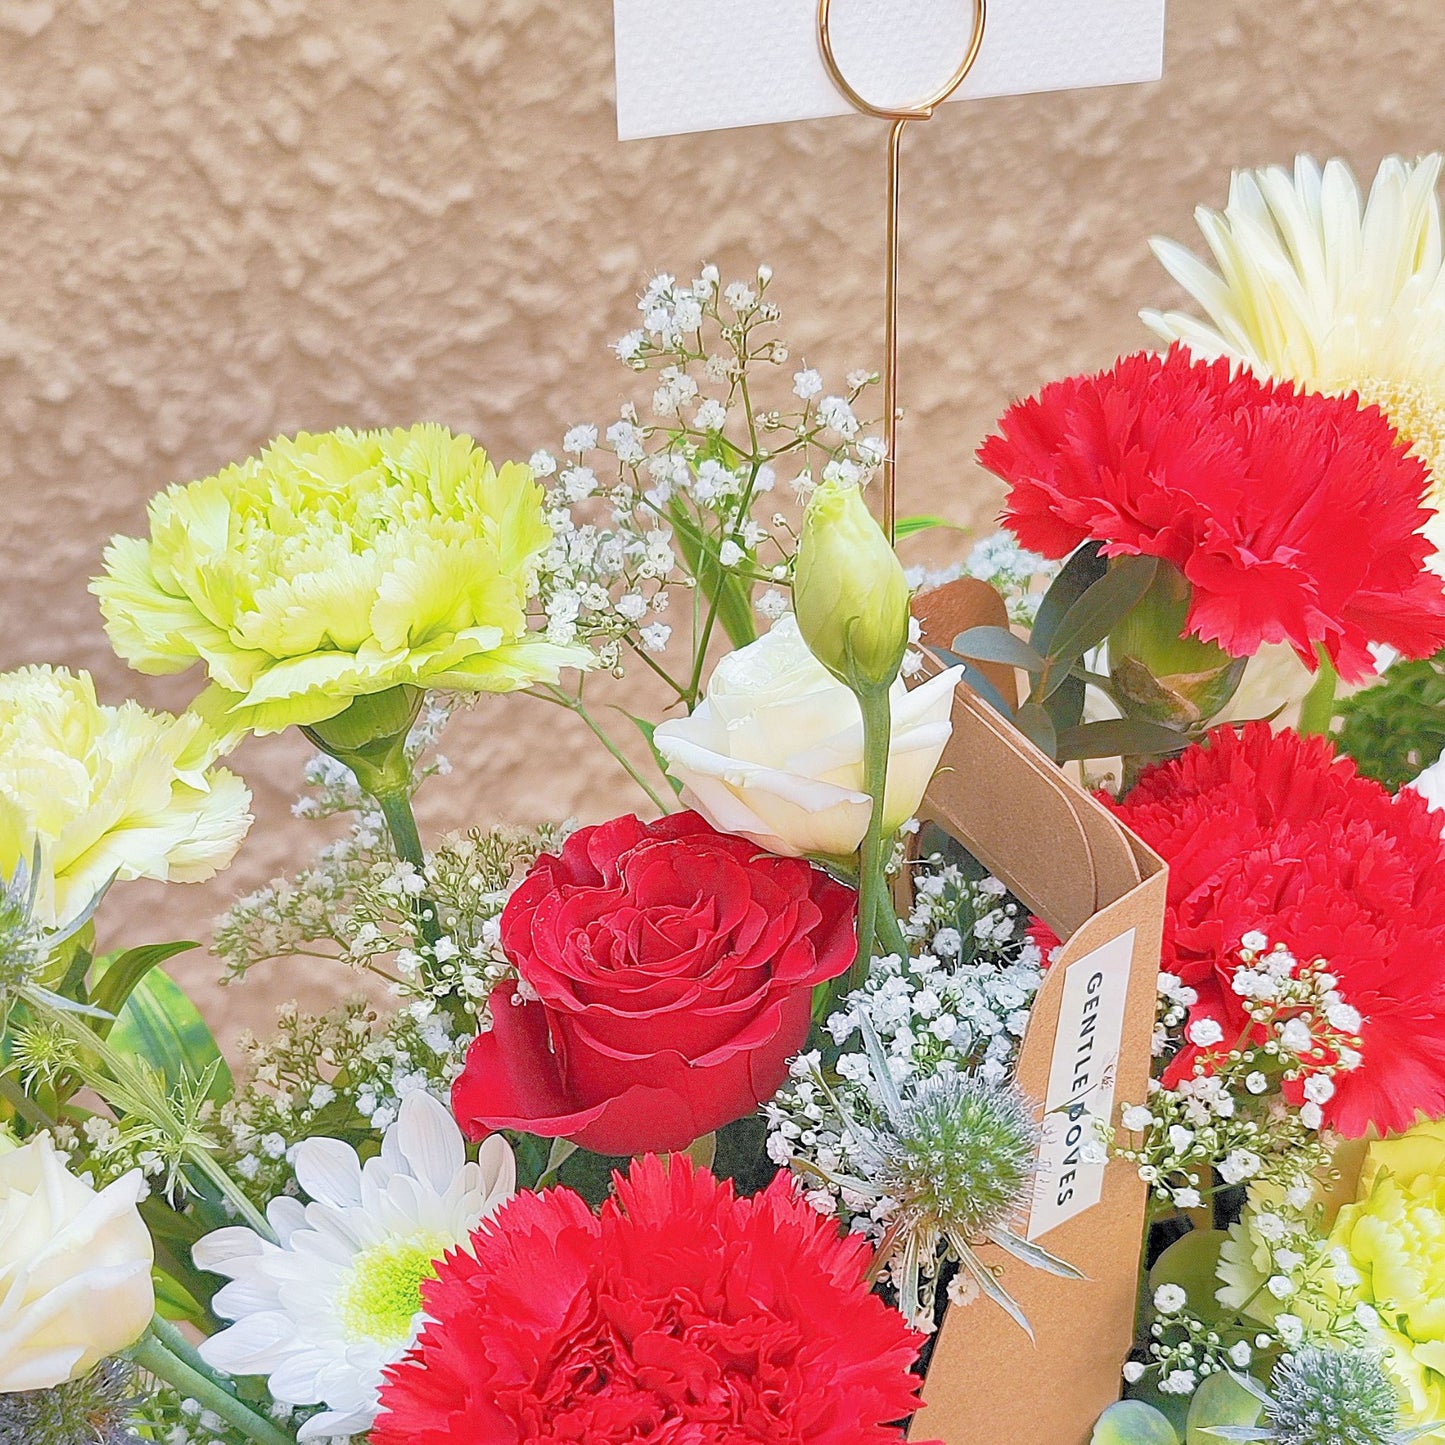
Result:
pixel 1221 1399
pixel 1038 727
pixel 975 679
pixel 1078 574
pixel 1118 738
pixel 998 644
pixel 1192 1263
pixel 1065 703
pixel 1094 616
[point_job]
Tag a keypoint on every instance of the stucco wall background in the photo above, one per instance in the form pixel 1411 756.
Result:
pixel 225 219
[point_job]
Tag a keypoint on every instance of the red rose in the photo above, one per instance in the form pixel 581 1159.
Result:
pixel 673 969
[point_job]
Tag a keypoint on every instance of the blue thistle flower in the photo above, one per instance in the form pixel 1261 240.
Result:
pixel 956 1155
pixel 1323 1396
pixel 94 1410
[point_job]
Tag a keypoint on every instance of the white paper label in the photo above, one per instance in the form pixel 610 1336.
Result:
pixel 689 65
pixel 1081 1084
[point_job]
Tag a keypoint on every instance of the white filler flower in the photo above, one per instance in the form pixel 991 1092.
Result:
pixel 323 1312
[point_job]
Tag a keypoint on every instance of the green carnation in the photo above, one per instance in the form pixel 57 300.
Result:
pixel 336 567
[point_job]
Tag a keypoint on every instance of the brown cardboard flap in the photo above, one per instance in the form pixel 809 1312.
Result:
pixel 987 1381
pixel 1103 891
pixel 967 602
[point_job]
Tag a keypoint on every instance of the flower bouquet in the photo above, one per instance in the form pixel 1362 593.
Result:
pixel 790 1106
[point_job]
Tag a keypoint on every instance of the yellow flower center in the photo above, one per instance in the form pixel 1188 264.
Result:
pixel 1418 414
pixel 381 1298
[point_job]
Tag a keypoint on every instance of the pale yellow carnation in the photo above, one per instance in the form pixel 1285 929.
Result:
pixel 1394 1236
pixel 107 792
pixel 335 567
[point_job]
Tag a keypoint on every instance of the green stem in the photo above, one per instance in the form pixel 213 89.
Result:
pixel 171 1337
pixel 575 704
pixel 153 1355
pixel 874 908
pixel 395 804
pixel 23 1104
pixel 1317 711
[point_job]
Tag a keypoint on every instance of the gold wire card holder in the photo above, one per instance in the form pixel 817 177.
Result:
pixel 1076 867
pixel 899 118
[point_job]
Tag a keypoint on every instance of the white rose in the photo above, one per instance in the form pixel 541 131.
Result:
pixel 775 751
pixel 75 1269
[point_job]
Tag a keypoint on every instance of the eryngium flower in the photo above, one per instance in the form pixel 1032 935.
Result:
pixel 107 792
pixel 94 1410
pixel 334 567
pixel 1326 1397
pixel 955 1157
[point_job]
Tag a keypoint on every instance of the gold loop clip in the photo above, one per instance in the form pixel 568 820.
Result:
pixel 899 117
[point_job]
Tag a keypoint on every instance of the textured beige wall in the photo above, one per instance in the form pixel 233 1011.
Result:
pixel 223 219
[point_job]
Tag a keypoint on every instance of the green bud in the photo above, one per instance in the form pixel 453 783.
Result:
pixel 370 738
pixel 1160 674
pixel 849 592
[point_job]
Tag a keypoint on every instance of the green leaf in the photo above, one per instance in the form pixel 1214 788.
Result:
pixel 1132 1422
pixel 1075 578
pixel 1094 616
pixel 730 593
pixel 1038 727
pixel 648 729
pixel 975 679
pixel 998 644
pixel 912 526
pixel 161 1024
pixel 1193 1264
pixel 175 1302
pixel 1220 1400
pixel 1396 729
pixel 1118 738
pixel 119 973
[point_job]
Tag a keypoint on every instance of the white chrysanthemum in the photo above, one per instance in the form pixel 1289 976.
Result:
pixel 107 792
pixel 323 1312
pixel 1319 286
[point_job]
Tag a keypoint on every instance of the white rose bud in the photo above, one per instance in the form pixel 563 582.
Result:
pixel 75 1266
pixel 775 751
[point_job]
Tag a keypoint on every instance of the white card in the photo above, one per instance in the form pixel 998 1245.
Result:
pixel 690 65
pixel 1081 1084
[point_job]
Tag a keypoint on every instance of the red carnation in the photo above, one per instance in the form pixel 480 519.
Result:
pixel 682 1314
pixel 667 974
pixel 1271 832
pixel 1295 517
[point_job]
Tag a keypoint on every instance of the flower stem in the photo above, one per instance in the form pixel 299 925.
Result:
pixel 395 804
pixel 876 919
pixel 1317 710
pixel 575 704
pixel 157 1358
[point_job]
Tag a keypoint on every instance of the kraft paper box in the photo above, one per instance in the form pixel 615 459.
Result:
pixel 1086 1055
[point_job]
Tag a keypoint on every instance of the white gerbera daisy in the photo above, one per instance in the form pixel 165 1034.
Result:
pixel 323 1312
pixel 1319 287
